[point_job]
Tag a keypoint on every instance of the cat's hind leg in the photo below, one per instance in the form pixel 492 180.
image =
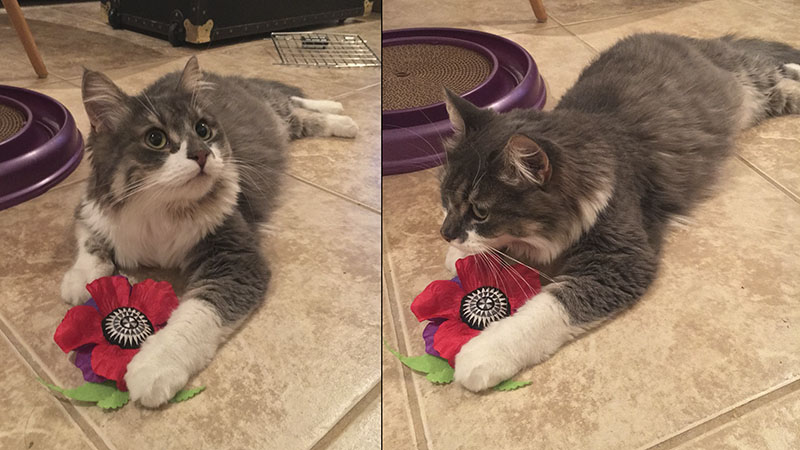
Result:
pixel 323 106
pixel 314 123
pixel 785 98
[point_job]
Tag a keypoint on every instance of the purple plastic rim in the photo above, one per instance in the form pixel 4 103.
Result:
pixel 43 153
pixel 414 141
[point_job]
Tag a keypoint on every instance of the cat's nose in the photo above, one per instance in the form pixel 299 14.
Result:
pixel 200 157
pixel 448 232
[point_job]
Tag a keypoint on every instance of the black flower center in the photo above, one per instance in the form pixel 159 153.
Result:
pixel 483 306
pixel 127 327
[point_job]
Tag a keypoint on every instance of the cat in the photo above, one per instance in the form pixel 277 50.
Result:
pixel 183 175
pixel 587 189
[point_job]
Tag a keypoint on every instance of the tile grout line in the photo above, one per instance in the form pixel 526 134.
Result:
pixel 40 370
pixel 575 35
pixel 769 179
pixel 727 415
pixel 25 363
pixel 332 192
pixel 354 91
pixel 753 5
pixel 617 16
pixel 359 407
pixel 412 392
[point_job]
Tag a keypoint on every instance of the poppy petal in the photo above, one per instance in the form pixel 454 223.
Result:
pixel 519 283
pixel 450 337
pixel 479 270
pixel 111 361
pixel 81 326
pixel 156 299
pixel 441 298
pixel 110 293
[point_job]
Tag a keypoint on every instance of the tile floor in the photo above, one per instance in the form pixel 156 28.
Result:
pixel 711 356
pixel 303 373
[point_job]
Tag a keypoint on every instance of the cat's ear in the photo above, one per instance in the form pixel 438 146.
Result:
pixel 525 160
pixel 104 102
pixel 192 77
pixel 463 114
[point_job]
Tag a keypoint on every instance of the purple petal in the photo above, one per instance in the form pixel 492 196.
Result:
pixel 83 361
pixel 91 303
pixel 458 282
pixel 427 335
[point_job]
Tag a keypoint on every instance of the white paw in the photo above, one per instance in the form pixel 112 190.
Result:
pixel 323 106
pixel 453 255
pixel 342 126
pixel 329 106
pixel 155 375
pixel 482 363
pixel 73 286
pixel 794 69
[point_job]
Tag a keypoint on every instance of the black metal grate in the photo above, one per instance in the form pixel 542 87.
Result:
pixel 324 50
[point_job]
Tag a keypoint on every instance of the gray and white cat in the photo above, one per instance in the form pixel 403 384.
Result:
pixel 182 176
pixel 586 190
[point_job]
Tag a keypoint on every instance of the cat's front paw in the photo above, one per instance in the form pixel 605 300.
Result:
pixel 483 363
pixel 73 286
pixel 453 255
pixel 155 375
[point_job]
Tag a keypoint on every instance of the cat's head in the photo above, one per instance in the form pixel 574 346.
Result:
pixel 502 186
pixel 162 144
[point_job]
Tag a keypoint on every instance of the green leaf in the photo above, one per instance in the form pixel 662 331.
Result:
pixel 91 392
pixel 510 385
pixel 437 369
pixel 426 363
pixel 52 387
pixel 117 399
pixel 186 394
pixel 441 377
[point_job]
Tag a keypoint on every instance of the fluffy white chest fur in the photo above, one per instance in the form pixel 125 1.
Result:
pixel 142 234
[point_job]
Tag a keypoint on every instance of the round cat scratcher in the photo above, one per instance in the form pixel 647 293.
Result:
pixel 488 70
pixel 39 144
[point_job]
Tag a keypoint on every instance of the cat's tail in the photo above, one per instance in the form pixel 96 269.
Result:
pixel 783 53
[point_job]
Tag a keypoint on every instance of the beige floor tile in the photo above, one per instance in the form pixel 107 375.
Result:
pixel 584 10
pixel 774 426
pixel 292 372
pixel 774 148
pixel 783 8
pixel 397 429
pixel 706 20
pixel 494 17
pixel 350 167
pixel 67 43
pixel 30 416
pixel 364 431
pixel 560 57
pixel 717 326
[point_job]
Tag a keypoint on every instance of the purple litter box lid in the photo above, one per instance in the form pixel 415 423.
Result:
pixel 412 137
pixel 43 152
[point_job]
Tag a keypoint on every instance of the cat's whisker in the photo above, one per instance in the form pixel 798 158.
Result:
pixel 546 276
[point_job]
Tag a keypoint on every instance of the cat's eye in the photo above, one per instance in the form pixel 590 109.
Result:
pixel 202 129
pixel 480 214
pixel 156 139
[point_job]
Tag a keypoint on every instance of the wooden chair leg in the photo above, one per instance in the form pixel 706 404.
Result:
pixel 538 10
pixel 18 22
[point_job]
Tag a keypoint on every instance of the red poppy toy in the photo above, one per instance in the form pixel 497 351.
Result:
pixel 485 290
pixel 107 332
